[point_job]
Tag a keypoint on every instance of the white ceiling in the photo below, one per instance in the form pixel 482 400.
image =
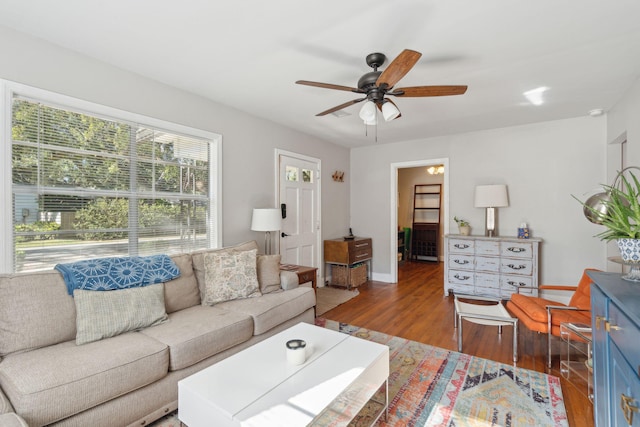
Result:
pixel 248 53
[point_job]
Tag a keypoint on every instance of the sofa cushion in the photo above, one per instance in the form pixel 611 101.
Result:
pixel 269 273
pixel 270 310
pixel 195 333
pixel 12 419
pixel 197 258
pixel 183 291
pixel 229 276
pixel 104 314
pixel 35 311
pixel 52 383
pixel 289 280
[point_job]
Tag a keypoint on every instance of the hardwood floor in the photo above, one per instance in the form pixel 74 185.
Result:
pixel 417 309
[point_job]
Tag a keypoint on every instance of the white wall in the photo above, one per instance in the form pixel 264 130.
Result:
pixel 542 164
pixel 625 117
pixel 622 120
pixel 248 142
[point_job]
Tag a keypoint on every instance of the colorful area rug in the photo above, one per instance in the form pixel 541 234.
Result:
pixel 431 386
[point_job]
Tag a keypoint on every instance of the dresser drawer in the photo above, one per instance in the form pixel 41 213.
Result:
pixel 626 335
pixel 464 262
pixel 360 251
pixel 460 277
pixel 485 280
pixel 461 289
pixel 516 249
pixel 487 247
pixel 461 246
pixel 516 266
pixel 510 284
pixel 491 264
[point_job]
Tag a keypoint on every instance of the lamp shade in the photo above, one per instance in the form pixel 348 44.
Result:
pixel 491 196
pixel 389 111
pixel 368 111
pixel 266 220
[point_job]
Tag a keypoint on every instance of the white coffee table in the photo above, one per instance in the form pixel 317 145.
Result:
pixel 257 387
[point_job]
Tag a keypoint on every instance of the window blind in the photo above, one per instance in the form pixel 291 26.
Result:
pixel 85 185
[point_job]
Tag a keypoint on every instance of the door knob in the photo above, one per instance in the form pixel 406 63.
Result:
pixel 284 234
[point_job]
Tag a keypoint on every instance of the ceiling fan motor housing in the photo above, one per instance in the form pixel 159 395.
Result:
pixel 368 80
pixel 375 60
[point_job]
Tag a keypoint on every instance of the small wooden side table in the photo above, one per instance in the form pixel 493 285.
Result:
pixel 305 274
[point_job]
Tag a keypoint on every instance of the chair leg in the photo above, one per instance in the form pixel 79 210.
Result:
pixel 515 341
pixel 548 338
pixel 459 333
pixel 549 350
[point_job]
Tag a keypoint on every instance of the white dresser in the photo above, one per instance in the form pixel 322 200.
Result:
pixel 490 266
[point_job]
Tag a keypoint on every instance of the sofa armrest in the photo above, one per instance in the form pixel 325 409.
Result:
pixel 11 419
pixel 558 288
pixel 5 405
pixel 288 280
pixel 565 307
pixel 8 418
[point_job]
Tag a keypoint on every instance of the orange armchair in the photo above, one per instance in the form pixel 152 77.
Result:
pixel 545 316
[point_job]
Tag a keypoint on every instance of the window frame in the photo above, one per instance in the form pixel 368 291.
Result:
pixel 7 91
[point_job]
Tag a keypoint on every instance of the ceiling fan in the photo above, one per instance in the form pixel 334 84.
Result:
pixel 377 85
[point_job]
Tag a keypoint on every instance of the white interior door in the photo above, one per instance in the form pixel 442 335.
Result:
pixel 299 191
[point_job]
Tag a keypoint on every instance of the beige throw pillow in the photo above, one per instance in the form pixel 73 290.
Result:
pixel 269 273
pixel 104 314
pixel 229 276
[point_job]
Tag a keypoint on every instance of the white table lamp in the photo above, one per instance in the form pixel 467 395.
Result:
pixel 266 220
pixel 491 197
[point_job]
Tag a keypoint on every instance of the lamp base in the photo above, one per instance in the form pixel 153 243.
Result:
pixel 267 243
pixel 491 222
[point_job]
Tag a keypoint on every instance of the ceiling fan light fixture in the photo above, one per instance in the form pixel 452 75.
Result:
pixel 368 112
pixel 389 111
pixel 371 122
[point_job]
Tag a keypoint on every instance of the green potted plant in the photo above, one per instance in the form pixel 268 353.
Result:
pixel 463 226
pixel 618 210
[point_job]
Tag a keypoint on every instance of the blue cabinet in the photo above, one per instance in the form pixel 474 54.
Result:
pixel 616 350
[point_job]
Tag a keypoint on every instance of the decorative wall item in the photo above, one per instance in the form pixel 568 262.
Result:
pixel 338 176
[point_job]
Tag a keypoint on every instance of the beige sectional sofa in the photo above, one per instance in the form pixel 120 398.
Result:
pixel 129 379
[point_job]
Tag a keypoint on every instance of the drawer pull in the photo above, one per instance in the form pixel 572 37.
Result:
pixel 516 250
pixel 457 276
pixel 609 327
pixel 362 255
pixel 512 283
pixel 461 261
pixel 361 245
pixel 460 246
pixel 516 267
pixel 627 408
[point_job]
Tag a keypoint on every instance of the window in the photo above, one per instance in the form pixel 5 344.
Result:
pixel 86 180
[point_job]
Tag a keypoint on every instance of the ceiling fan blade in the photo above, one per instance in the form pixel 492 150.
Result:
pixel 398 68
pixel 329 86
pixel 340 107
pixel 416 91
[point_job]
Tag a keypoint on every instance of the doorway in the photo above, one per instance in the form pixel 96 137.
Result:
pixel 422 166
pixel 299 198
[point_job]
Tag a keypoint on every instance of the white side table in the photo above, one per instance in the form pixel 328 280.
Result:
pixel 484 314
